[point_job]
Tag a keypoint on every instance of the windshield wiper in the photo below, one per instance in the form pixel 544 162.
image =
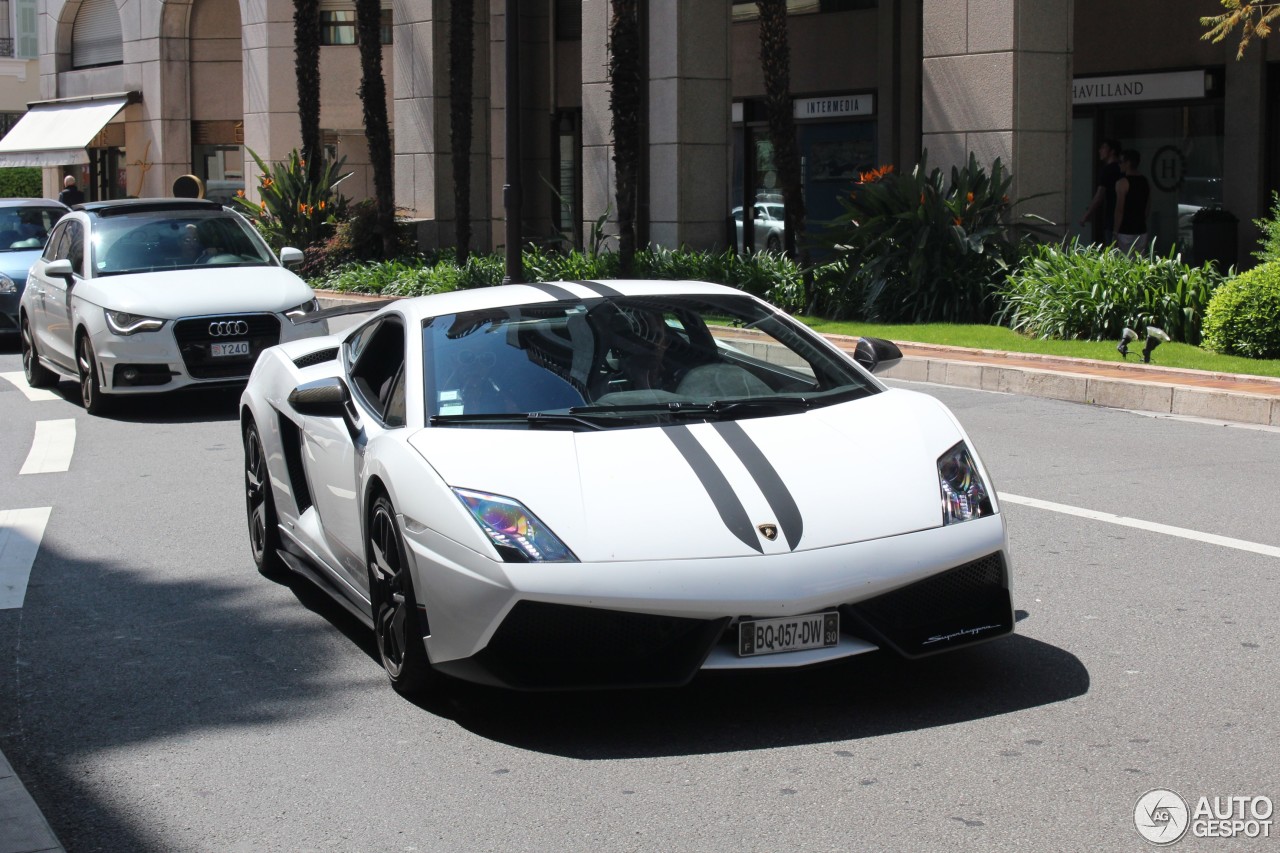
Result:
pixel 532 419
pixel 714 408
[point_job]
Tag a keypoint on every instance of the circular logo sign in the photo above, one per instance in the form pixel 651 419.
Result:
pixel 1161 816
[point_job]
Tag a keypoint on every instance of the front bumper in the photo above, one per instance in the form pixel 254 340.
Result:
pixel 659 623
pixel 176 356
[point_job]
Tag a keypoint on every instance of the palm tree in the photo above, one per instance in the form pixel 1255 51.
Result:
pixel 373 95
pixel 775 62
pixel 306 63
pixel 625 103
pixel 461 69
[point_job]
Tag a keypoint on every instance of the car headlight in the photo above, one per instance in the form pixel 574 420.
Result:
pixel 299 313
pixel 518 534
pixel 7 284
pixel 964 494
pixel 125 324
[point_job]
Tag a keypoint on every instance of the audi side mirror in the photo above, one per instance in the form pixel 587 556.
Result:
pixel 876 354
pixel 290 257
pixel 60 268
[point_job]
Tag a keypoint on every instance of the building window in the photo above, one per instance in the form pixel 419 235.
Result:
pixel 96 38
pixel 568 20
pixel 338 26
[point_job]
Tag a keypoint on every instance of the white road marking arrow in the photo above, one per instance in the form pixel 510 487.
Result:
pixel 35 395
pixel 20 533
pixel 52 447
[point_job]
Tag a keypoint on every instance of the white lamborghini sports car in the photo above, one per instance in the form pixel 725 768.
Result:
pixel 587 484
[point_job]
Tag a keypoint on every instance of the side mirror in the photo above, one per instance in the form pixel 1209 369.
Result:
pixel 290 256
pixel 326 398
pixel 60 268
pixel 876 354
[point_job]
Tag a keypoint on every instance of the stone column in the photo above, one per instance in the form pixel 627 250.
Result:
pixel 271 127
pixel 1243 172
pixel 597 122
pixel 997 82
pixel 689 123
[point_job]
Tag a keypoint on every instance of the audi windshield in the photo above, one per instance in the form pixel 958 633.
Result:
pixel 162 240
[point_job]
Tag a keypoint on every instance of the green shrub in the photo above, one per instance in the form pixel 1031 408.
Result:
pixel 910 248
pixel 1270 250
pixel 766 275
pixel 354 238
pixel 1090 292
pixel 1241 319
pixel 293 210
pixel 21 182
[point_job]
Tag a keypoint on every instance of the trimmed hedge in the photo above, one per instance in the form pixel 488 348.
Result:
pixel 21 182
pixel 1242 316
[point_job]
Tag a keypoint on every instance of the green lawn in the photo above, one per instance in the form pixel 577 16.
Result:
pixel 999 338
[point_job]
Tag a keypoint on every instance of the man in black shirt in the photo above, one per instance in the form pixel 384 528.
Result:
pixel 70 194
pixel 1103 205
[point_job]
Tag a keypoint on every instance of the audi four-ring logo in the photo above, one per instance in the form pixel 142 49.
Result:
pixel 227 328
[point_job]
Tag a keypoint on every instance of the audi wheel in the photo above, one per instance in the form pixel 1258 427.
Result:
pixel 38 376
pixel 260 509
pixel 396 621
pixel 95 402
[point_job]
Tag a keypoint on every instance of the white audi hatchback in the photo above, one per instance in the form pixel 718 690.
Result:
pixel 148 295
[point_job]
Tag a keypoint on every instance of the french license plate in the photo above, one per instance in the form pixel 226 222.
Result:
pixel 788 634
pixel 220 350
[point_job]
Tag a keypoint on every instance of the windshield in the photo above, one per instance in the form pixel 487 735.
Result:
pixel 24 229
pixel 166 240
pixel 627 361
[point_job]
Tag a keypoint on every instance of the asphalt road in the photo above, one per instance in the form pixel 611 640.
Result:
pixel 157 694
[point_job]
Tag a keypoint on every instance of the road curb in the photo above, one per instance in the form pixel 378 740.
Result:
pixel 23 828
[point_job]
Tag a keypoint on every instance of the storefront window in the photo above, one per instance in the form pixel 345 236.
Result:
pixel 1182 151
pixel 221 167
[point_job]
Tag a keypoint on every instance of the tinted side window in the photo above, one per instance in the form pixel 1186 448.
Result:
pixel 55 242
pixel 378 368
pixel 75 247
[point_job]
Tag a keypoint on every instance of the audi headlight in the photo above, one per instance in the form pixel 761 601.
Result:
pixel 125 324
pixel 298 313
pixel 518 534
pixel 964 494
pixel 7 284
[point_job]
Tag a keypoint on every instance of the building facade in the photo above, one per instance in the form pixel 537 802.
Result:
pixel 167 88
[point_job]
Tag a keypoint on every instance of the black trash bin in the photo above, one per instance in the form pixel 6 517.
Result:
pixel 1214 232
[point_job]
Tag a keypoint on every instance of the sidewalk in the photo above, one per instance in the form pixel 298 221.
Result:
pixel 23 828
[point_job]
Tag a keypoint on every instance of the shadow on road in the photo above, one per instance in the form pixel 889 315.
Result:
pixel 867 696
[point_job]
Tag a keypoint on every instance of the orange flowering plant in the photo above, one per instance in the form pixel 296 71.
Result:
pixel 910 246
pixel 292 209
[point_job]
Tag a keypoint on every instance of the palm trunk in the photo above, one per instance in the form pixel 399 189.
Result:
pixel 625 102
pixel 461 67
pixel 373 95
pixel 306 38
pixel 775 62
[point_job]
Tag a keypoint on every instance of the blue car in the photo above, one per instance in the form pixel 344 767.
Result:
pixel 25 224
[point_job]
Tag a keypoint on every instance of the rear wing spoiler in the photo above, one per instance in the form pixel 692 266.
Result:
pixel 344 310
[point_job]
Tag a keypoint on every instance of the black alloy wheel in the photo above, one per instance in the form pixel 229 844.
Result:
pixel 95 402
pixel 395 608
pixel 38 376
pixel 260 509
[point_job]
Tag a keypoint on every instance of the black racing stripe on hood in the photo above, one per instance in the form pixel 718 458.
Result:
pixel 599 289
pixel 732 512
pixel 555 291
pixel 766 476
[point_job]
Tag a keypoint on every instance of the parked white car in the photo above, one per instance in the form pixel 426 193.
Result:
pixel 767 217
pixel 606 484
pixel 147 295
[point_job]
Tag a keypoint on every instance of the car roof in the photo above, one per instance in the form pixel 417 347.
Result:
pixel 32 202
pixel 147 205
pixel 481 298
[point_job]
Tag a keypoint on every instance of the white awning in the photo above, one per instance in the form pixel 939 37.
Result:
pixel 55 133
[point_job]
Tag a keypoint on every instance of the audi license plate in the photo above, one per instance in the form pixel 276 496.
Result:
pixel 788 634
pixel 221 350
